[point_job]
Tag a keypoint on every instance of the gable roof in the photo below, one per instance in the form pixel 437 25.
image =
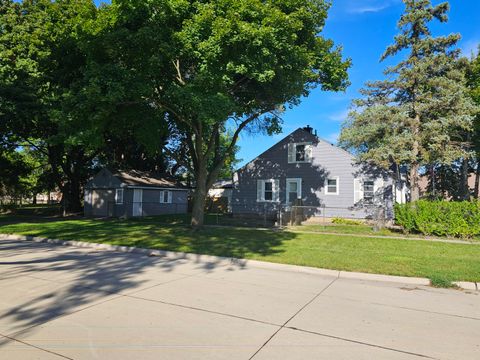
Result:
pixel 307 131
pixel 147 179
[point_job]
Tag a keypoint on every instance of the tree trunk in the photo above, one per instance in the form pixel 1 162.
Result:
pixel 414 178
pixel 464 190
pixel 72 195
pixel 414 183
pixel 199 197
pixel 477 181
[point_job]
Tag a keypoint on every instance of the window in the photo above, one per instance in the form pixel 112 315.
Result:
pixel 267 190
pixel 165 197
pixel 331 186
pixel 119 196
pixel 368 191
pixel 294 190
pixel 299 152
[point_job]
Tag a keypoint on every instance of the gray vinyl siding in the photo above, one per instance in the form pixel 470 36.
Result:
pixel 99 198
pixel 328 162
pixel 152 205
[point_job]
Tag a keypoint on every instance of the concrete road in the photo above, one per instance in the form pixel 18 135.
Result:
pixel 76 303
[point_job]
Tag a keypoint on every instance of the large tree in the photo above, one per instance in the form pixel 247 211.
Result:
pixel 473 76
pixel 221 67
pixel 61 96
pixel 420 114
pixel 41 64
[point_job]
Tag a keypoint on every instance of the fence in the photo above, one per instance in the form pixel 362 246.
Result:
pixel 266 216
pixel 135 209
pixel 299 214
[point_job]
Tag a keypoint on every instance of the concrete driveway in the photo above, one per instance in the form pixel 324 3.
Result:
pixel 77 303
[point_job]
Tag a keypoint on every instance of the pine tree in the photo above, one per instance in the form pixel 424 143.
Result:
pixel 420 113
pixel 473 76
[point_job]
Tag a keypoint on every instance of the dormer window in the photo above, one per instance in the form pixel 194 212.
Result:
pixel 300 152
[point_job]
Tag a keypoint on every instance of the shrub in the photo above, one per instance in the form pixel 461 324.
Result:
pixel 440 218
pixel 342 221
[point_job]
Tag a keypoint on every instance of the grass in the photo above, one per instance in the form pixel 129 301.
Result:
pixel 434 260
pixel 346 229
pixel 364 230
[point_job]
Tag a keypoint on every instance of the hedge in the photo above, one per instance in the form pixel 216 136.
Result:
pixel 440 218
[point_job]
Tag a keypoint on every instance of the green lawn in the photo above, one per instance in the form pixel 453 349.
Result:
pixel 363 230
pixel 346 229
pixel 436 260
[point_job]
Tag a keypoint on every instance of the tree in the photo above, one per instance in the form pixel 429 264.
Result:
pixel 473 76
pixel 221 67
pixel 420 114
pixel 41 63
pixel 60 95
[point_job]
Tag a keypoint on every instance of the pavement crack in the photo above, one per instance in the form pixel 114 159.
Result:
pixel 293 316
pixel 36 347
pixel 361 343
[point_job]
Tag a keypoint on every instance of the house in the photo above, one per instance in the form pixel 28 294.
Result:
pixel 221 193
pixel 134 193
pixel 425 189
pixel 325 179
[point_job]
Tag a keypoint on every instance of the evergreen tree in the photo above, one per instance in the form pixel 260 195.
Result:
pixel 473 76
pixel 420 113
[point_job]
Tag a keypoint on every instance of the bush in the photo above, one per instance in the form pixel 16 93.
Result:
pixel 342 221
pixel 440 218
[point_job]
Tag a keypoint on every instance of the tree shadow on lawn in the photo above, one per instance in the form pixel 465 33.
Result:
pixel 228 241
pixel 57 280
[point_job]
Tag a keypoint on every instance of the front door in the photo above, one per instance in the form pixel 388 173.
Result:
pixel 137 202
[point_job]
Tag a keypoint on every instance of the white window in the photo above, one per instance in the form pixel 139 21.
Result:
pixel 165 197
pixel 299 152
pixel 268 190
pixel 368 191
pixel 332 186
pixel 294 190
pixel 118 196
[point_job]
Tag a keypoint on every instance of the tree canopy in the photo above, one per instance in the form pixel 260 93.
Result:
pixel 222 67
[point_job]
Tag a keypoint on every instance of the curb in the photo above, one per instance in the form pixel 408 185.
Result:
pixel 473 286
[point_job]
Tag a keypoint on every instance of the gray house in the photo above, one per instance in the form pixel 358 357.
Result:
pixel 134 193
pixel 303 169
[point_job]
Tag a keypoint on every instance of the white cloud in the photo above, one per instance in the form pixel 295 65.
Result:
pixel 340 116
pixel 369 6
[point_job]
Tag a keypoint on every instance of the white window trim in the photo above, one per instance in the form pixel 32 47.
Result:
pixel 162 197
pixel 308 153
pixel 117 191
pixel 299 189
pixel 337 179
pixel 275 191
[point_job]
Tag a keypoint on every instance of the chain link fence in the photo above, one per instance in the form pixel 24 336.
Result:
pixel 289 215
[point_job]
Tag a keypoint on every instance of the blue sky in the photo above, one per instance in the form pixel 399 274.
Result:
pixel 364 28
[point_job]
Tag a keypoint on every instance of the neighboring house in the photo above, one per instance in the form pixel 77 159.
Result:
pixel 424 182
pixel 134 193
pixel 222 189
pixel 303 168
